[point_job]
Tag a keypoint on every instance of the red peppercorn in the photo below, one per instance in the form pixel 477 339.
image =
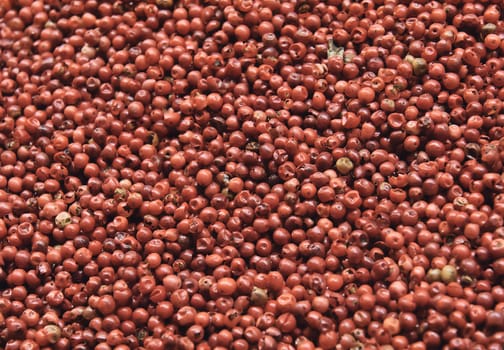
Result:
pixel 233 174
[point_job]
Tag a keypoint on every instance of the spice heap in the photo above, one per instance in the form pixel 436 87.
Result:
pixel 239 174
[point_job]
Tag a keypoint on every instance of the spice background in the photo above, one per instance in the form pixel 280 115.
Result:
pixel 239 174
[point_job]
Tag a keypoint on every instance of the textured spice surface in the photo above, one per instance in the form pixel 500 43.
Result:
pixel 238 174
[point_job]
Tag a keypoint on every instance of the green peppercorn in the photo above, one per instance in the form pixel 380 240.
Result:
pixel 419 66
pixel 433 275
pixel 448 274
pixel 344 165
pixel 62 219
pixel 259 296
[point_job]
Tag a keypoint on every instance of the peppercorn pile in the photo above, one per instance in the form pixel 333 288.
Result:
pixel 239 174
